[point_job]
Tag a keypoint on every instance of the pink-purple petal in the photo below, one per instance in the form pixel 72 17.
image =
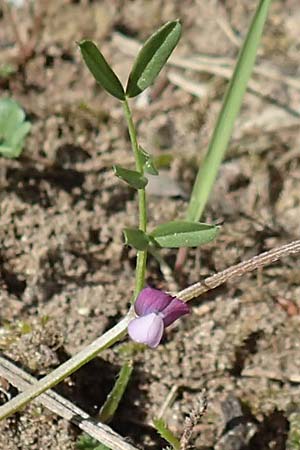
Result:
pixel 174 310
pixel 151 300
pixel 147 329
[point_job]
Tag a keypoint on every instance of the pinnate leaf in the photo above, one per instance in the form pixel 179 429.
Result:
pixel 115 396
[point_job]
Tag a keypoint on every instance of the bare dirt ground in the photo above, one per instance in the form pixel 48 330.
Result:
pixel 66 276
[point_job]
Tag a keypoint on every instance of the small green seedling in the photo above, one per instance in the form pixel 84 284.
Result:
pixel 13 128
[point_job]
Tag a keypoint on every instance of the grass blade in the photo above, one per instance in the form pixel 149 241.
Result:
pixel 230 109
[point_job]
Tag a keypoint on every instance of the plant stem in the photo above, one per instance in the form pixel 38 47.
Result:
pixel 67 368
pixel 115 333
pixel 141 255
pixel 238 270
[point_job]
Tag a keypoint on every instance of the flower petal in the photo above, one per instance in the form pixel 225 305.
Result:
pixel 147 329
pixel 174 310
pixel 151 300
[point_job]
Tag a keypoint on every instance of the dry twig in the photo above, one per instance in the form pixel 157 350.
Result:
pixel 118 330
pixel 239 270
pixel 64 408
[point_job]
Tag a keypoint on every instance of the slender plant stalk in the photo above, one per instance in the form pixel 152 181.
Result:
pixel 238 270
pixel 67 368
pixel 115 333
pixel 64 408
pixel 141 255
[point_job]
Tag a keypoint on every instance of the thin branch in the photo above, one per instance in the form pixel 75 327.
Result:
pixel 239 270
pixel 67 368
pixel 64 408
pixel 119 330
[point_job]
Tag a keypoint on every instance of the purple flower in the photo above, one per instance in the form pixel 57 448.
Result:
pixel 156 310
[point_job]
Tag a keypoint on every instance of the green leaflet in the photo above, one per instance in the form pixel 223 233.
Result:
pixel 152 57
pixel 183 234
pixel 100 69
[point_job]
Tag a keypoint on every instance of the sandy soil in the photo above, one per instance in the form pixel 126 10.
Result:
pixel 66 276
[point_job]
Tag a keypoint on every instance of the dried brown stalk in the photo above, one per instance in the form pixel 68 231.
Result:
pixel 64 408
pixel 118 330
pixel 239 270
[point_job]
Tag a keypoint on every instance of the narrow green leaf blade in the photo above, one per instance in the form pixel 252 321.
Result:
pixel 131 177
pixel 100 69
pixel 152 57
pixel 136 238
pixel 183 234
pixel 112 402
pixel 166 433
pixel 230 109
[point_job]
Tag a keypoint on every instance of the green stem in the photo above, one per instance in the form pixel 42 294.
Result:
pixel 142 255
pixel 111 336
pixel 67 368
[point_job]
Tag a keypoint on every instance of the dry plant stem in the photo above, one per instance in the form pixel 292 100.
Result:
pixel 64 408
pixel 115 333
pixel 192 420
pixel 239 270
pixel 67 368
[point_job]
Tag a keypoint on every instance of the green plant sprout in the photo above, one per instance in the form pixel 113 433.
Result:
pixel 149 62
pixel 175 234
pixel 13 128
